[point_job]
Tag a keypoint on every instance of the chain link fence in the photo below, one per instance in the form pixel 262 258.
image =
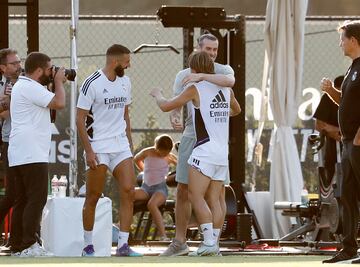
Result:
pixel 158 67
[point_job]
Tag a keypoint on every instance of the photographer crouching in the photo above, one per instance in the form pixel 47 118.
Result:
pixel 29 146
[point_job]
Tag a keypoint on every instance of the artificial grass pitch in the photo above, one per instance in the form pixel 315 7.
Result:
pixel 238 260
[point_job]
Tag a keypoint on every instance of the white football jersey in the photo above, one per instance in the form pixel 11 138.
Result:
pixel 106 101
pixel 179 87
pixel 211 123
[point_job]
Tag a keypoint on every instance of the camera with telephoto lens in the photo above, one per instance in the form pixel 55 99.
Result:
pixel 70 74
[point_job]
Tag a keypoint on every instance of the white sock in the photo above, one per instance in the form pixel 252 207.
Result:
pixel 217 232
pixel 208 232
pixel 122 238
pixel 87 238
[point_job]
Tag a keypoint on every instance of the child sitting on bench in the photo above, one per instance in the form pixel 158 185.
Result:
pixel 154 162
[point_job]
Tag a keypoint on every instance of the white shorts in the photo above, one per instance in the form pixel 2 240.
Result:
pixel 111 145
pixel 111 152
pixel 111 160
pixel 213 171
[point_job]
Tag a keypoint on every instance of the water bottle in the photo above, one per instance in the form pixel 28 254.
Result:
pixel 304 196
pixel 54 186
pixel 62 186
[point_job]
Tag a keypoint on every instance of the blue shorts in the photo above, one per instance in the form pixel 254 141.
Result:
pixel 182 167
pixel 150 190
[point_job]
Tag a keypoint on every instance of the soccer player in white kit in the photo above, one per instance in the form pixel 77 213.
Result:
pixel 212 105
pixel 224 77
pixel 104 129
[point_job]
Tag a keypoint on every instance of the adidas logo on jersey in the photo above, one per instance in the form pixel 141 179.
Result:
pixel 105 91
pixel 219 101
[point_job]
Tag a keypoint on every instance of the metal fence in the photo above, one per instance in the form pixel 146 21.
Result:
pixel 151 68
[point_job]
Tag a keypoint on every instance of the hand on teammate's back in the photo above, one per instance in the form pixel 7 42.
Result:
pixel 192 78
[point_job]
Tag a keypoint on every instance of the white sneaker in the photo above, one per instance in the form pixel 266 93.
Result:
pixel 205 250
pixel 35 250
pixel 176 248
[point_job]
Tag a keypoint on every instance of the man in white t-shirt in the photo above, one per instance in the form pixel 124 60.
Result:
pixel 104 129
pixel 29 146
pixel 224 77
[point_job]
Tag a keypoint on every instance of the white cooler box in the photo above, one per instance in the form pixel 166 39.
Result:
pixel 62 228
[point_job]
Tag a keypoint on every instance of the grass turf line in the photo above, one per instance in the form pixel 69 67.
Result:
pixel 246 260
